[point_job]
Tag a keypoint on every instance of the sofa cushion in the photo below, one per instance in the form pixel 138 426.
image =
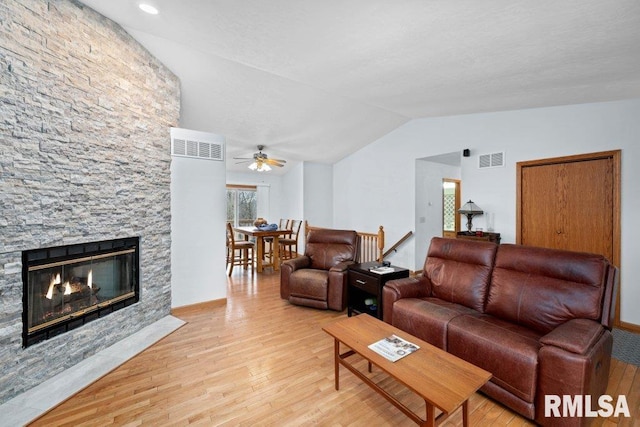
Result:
pixel 508 351
pixel 427 318
pixel 459 270
pixel 542 288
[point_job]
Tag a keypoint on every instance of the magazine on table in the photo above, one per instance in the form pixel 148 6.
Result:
pixel 382 270
pixel 393 347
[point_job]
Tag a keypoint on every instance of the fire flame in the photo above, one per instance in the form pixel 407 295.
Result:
pixel 55 280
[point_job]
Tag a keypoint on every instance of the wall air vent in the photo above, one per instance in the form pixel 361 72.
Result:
pixel 197 149
pixel 492 160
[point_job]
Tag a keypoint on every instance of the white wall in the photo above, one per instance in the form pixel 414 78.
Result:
pixel 318 194
pixel 382 176
pixel 292 201
pixel 198 216
pixel 376 186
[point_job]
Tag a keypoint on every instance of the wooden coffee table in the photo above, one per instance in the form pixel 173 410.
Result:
pixel 441 379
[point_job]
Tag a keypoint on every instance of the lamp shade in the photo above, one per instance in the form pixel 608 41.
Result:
pixel 470 208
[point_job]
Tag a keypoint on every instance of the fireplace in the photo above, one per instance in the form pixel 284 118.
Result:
pixel 65 287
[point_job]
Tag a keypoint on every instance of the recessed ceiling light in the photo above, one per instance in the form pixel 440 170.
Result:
pixel 148 8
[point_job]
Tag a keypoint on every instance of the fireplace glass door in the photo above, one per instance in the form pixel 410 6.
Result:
pixel 65 291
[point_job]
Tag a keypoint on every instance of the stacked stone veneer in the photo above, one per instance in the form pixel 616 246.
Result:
pixel 85 114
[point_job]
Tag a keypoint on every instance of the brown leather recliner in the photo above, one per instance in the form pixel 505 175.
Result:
pixel 319 278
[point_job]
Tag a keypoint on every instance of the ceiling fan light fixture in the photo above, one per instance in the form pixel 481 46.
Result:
pixel 259 167
pixel 260 162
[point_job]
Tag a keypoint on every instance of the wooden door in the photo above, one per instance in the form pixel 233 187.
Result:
pixel 571 203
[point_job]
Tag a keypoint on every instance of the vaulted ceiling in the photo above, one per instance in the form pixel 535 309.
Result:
pixel 316 80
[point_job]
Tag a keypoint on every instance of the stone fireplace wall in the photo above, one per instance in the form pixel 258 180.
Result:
pixel 85 117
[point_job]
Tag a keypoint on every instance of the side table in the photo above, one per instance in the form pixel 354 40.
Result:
pixel 364 285
pixel 484 236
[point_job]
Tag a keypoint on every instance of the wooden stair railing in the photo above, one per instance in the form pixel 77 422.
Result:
pixel 371 246
pixel 398 243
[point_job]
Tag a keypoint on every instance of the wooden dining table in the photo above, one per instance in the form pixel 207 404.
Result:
pixel 260 244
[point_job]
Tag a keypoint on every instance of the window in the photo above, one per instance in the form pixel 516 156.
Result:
pixel 242 205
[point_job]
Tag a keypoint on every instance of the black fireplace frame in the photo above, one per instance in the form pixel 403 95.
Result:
pixel 41 256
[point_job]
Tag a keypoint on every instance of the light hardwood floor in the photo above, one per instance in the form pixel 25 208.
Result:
pixel 259 361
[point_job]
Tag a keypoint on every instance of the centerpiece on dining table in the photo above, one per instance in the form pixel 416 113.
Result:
pixel 263 225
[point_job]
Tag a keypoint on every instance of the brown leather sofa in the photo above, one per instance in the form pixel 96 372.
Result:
pixel 319 278
pixel 538 319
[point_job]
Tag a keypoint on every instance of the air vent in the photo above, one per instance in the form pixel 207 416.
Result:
pixel 492 160
pixel 197 149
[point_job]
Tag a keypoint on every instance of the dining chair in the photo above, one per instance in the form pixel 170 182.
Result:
pixel 239 252
pixel 268 252
pixel 289 244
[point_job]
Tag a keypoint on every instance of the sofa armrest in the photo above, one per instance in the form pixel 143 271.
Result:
pixel 575 359
pixel 576 336
pixel 409 287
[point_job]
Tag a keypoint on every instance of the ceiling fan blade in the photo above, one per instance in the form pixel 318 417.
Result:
pixel 261 158
pixel 275 164
pixel 273 161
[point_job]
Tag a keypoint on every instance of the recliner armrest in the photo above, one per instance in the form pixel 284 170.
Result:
pixel 341 266
pixel 576 335
pixel 409 287
pixel 286 269
pixel 297 263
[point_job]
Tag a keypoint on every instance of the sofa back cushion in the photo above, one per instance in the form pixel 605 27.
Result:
pixel 327 247
pixel 459 270
pixel 542 288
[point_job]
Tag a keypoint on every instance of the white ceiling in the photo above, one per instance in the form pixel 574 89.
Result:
pixel 315 80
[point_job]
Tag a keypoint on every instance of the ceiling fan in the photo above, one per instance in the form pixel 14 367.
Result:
pixel 260 161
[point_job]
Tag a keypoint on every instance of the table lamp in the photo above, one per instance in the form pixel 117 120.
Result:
pixel 470 209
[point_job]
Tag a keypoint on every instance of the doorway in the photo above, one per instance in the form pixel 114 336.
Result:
pixel 429 177
pixel 450 207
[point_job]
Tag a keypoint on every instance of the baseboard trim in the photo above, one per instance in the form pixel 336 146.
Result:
pixel 631 327
pixel 185 309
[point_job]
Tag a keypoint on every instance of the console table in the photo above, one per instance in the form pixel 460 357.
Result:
pixel 485 236
pixel 363 284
